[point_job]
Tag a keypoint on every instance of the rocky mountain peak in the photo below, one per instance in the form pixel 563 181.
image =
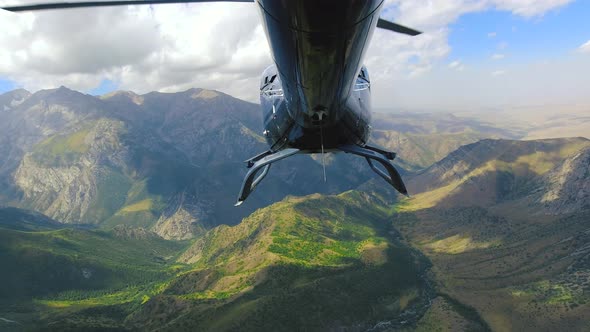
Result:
pixel 62 99
pixel 204 94
pixel 123 96
pixel 13 98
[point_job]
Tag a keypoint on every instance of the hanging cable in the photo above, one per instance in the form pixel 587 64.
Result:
pixel 323 154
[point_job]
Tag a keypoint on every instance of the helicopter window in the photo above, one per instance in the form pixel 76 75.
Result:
pixel 272 92
pixel 361 86
pixel 272 79
pixel 362 81
pixel 364 74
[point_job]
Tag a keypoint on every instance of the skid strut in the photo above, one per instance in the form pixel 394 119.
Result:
pixel 263 161
pixel 255 164
pixel 383 157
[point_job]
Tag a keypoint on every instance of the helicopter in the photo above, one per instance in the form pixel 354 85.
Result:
pixel 315 98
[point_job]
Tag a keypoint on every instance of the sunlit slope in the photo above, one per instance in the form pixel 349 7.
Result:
pixel 314 262
pixel 516 249
pixel 490 171
pixel 418 151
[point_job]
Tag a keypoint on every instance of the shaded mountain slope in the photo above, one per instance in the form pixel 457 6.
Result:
pixel 13 98
pixel 48 269
pixel 519 271
pixel 24 220
pixel 516 250
pixel 339 262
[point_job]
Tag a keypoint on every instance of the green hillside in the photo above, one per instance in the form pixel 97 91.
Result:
pixel 495 236
pixel 54 273
pixel 317 262
pixel 60 150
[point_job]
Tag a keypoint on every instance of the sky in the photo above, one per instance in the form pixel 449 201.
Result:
pixel 473 54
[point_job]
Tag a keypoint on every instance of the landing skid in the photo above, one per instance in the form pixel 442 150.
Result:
pixel 383 157
pixel 265 159
pixel 261 161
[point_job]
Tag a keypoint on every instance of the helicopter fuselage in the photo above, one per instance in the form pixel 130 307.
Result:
pixel 316 96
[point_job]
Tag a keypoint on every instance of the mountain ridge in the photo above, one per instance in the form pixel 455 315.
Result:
pixel 490 171
pixel 174 158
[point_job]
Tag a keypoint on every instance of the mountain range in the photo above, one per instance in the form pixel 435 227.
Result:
pixel 172 162
pixel 118 216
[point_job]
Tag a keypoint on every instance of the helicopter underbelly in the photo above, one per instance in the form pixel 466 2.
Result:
pixel 281 130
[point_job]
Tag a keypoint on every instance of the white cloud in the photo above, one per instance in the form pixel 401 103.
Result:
pixel 498 56
pixel 585 48
pixel 492 35
pixel 529 8
pixel 217 45
pixel 457 65
pixel 500 72
pixel 454 64
pixel 142 48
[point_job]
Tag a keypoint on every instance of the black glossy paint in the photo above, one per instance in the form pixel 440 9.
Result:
pixel 315 86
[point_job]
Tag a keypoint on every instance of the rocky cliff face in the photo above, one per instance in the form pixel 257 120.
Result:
pixel 566 189
pixel 181 219
pixel 30 119
pixel 65 174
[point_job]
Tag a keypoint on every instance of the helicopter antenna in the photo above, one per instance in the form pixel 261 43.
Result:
pixel 323 154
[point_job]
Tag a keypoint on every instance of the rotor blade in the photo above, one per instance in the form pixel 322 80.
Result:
pixel 64 5
pixel 384 24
